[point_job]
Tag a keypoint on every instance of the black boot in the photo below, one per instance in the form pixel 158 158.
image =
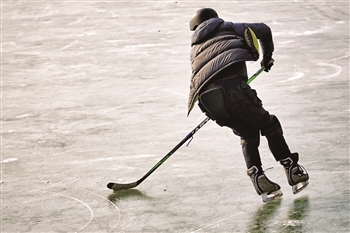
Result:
pixel 264 187
pixel 297 176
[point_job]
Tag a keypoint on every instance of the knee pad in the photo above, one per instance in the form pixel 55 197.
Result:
pixel 274 127
pixel 253 139
pixel 277 123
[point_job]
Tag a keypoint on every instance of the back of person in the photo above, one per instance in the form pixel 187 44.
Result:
pixel 219 51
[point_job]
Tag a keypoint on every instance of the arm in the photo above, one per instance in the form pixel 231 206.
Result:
pixel 262 32
pixel 264 35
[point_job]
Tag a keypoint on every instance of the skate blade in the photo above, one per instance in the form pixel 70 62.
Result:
pixel 272 196
pixel 299 187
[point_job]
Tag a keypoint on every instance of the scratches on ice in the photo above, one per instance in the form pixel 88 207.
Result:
pixel 336 70
pixel 297 75
pixel 102 214
pixel 328 71
pixel 83 203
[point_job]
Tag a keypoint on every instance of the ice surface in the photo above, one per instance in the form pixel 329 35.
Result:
pixel 96 91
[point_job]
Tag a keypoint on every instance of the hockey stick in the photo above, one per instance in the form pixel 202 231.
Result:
pixel 118 187
pixel 256 74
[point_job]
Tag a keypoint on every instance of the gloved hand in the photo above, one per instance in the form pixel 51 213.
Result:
pixel 267 62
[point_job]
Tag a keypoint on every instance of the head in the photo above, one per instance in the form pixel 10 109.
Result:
pixel 202 15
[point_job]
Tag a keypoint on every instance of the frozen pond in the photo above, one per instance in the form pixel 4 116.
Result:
pixel 95 92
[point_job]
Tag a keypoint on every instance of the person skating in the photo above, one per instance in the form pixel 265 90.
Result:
pixel 219 50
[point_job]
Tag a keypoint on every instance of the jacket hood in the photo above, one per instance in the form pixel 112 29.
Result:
pixel 205 29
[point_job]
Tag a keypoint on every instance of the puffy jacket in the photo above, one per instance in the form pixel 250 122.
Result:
pixel 217 44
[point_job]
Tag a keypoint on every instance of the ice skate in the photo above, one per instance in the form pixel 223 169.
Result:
pixel 267 189
pixel 297 176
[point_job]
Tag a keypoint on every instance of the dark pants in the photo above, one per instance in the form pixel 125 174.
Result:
pixel 231 102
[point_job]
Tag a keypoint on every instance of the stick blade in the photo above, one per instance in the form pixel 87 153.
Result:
pixel 118 187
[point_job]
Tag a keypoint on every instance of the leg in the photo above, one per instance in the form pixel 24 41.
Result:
pixel 237 111
pixel 296 174
pixel 272 130
pixel 250 140
pixel 250 145
pixel 248 107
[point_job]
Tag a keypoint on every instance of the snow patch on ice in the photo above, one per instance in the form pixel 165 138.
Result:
pixel 24 115
pixel 8 160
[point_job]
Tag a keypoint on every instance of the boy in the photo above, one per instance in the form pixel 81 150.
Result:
pixel 219 51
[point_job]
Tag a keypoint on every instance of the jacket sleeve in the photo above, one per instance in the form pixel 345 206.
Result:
pixel 262 32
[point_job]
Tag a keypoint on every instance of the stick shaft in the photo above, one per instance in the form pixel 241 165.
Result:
pixel 256 74
pixel 174 149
